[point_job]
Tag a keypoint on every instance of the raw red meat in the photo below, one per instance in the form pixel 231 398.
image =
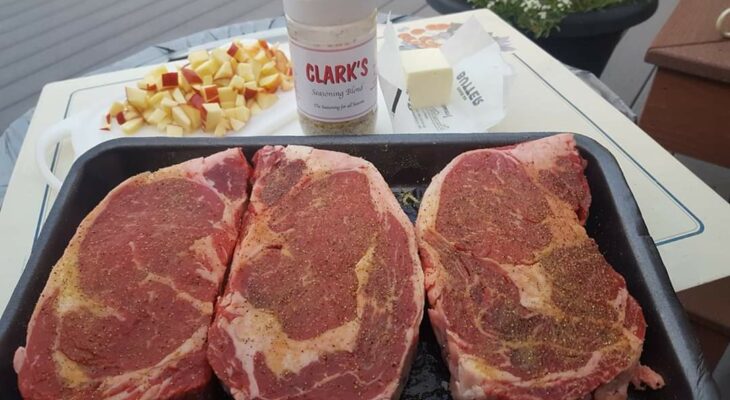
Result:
pixel 522 301
pixel 325 294
pixel 126 310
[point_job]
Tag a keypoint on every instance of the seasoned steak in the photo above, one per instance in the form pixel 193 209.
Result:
pixel 126 310
pixel 325 294
pixel 521 299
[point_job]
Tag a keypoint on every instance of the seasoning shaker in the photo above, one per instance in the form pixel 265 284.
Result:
pixel 333 47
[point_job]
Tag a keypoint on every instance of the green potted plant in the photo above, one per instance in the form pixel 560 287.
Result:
pixel 581 33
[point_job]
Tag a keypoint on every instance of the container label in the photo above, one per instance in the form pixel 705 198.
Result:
pixel 335 84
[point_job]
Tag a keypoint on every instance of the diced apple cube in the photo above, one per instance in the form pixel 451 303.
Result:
pixel 271 82
pixel 178 96
pixel 146 114
pixel 261 57
pixel 233 50
pixel 156 98
pixel 132 126
pixel 180 117
pixel 266 100
pixel 196 100
pixel 236 124
pixel 197 57
pixel 237 82
pixel 210 93
pixel 268 68
pixel 246 71
pixel 250 90
pixel 221 128
pixel 168 102
pixel 243 56
pixel 193 114
pixel 174 130
pixel 241 113
pixel 211 116
pixel 157 116
pixel 184 84
pixel 207 68
pixel 191 76
pixel 136 97
pixel 207 80
pixel 225 71
pixel 227 94
pixel 169 79
pixel 220 55
pixel 240 100
pixel 256 70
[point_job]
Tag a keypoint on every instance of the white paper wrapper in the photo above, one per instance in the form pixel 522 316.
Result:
pixel 478 92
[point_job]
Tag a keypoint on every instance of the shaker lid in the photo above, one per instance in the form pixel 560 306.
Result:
pixel 328 12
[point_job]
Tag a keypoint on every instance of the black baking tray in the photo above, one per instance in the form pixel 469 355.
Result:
pixel 407 162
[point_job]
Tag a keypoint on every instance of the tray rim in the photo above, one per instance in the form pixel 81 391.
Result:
pixel 684 344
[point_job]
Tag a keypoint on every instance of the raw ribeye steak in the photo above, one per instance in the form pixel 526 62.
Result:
pixel 325 293
pixel 126 310
pixel 521 300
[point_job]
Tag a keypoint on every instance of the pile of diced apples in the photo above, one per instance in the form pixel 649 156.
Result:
pixel 217 91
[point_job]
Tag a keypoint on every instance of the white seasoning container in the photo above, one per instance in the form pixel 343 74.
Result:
pixel 333 46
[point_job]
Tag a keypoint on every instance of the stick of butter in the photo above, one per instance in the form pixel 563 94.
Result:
pixel 428 77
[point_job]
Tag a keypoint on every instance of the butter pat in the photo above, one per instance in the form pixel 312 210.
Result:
pixel 428 77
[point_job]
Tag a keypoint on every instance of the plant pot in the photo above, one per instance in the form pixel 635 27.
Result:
pixel 584 40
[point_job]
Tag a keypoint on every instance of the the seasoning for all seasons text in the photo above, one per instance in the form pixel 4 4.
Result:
pixel 333 46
